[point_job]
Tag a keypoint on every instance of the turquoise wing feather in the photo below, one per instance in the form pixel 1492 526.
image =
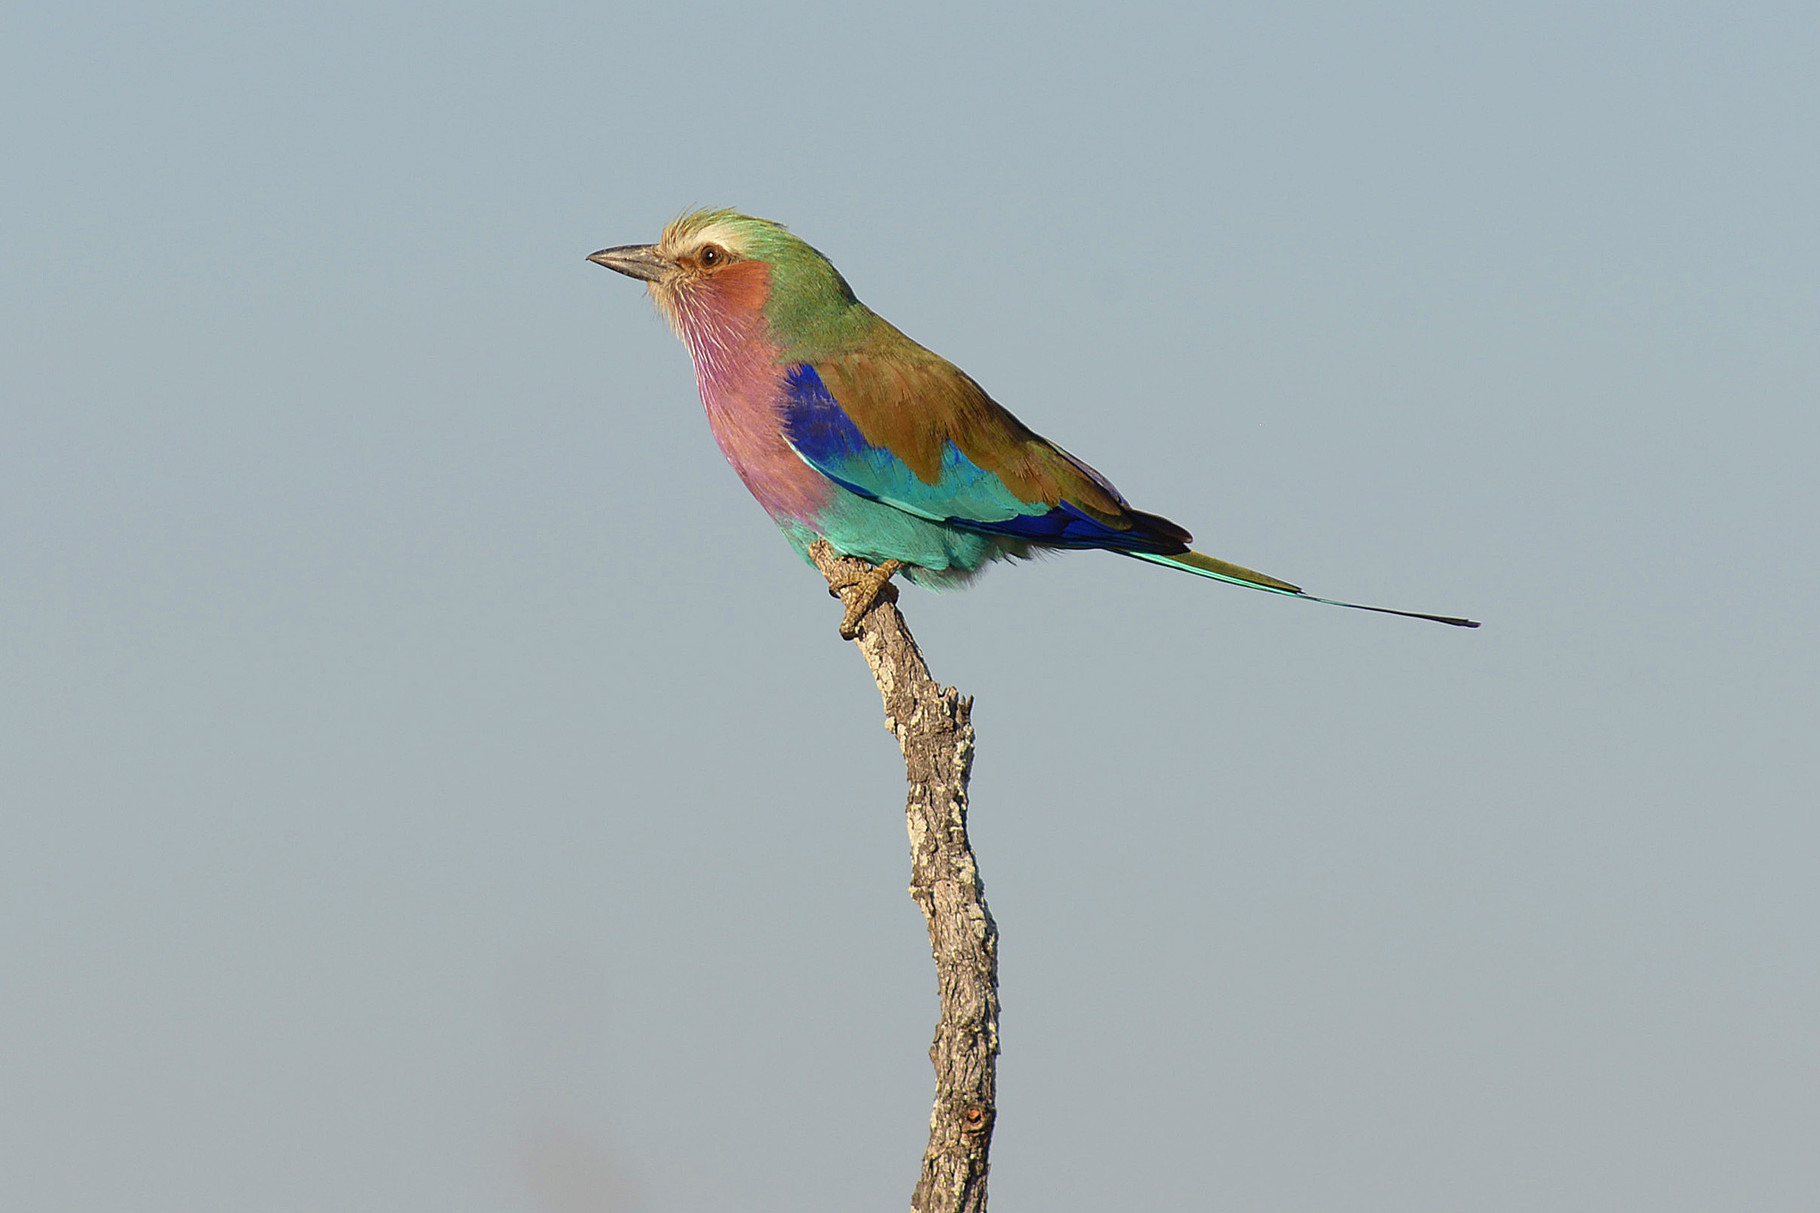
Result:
pixel 945 468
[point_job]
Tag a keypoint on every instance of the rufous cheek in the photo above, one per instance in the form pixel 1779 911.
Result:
pixel 739 290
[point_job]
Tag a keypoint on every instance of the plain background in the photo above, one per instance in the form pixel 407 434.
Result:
pixel 430 783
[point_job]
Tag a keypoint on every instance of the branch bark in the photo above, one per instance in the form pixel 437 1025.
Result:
pixel 932 726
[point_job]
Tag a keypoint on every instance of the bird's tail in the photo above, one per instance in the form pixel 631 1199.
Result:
pixel 1223 570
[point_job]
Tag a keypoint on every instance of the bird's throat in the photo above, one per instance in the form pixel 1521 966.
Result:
pixel 739 373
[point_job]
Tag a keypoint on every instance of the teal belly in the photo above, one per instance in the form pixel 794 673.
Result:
pixel 939 555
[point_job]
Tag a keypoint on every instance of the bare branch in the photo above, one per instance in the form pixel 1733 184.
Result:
pixel 931 724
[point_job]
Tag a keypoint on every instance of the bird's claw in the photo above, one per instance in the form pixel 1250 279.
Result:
pixel 863 592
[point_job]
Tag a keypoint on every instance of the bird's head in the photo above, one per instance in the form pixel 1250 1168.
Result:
pixel 712 270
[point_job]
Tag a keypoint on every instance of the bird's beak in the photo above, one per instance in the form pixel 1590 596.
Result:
pixel 635 261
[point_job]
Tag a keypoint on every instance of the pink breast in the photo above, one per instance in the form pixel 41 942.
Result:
pixel 747 422
pixel 741 383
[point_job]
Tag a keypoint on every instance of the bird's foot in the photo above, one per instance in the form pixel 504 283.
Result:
pixel 863 591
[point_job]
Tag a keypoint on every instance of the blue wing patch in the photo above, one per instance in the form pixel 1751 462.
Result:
pixel 963 495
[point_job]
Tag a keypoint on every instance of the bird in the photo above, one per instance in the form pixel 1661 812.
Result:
pixel 848 431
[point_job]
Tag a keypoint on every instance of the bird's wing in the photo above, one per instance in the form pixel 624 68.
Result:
pixel 913 431
pixel 916 433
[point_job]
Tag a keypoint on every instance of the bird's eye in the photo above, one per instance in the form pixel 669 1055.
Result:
pixel 711 257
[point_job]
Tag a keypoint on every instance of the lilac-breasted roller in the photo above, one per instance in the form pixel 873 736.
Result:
pixel 849 431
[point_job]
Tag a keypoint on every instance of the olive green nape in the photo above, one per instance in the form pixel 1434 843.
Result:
pixel 811 310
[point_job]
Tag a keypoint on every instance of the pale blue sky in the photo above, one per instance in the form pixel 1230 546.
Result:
pixel 430 783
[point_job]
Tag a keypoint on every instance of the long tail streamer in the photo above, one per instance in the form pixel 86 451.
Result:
pixel 1234 574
